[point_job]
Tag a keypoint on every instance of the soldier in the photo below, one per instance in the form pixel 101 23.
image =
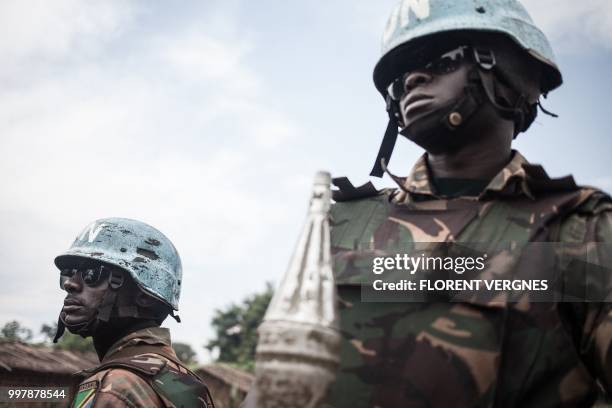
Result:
pixel 461 79
pixel 123 278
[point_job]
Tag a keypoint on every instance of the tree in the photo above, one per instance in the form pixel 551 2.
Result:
pixel 185 353
pixel 14 331
pixel 236 329
pixel 69 341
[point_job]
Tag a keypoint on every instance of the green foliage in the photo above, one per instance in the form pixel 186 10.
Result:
pixel 14 331
pixel 185 353
pixel 236 329
pixel 69 341
pixel 74 342
pixel 49 331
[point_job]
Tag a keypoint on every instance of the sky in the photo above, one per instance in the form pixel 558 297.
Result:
pixel 209 119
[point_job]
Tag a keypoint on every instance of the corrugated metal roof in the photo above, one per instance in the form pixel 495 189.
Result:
pixel 228 374
pixel 20 356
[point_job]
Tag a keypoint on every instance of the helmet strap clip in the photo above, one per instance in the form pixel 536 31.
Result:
pixel 484 57
pixel 115 281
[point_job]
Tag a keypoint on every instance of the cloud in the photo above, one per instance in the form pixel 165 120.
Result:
pixel 574 26
pixel 176 131
pixel 199 56
pixel 369 16
pixel 37 28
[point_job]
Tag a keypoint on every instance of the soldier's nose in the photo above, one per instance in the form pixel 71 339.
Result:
pixel 415 79
pixel 72 284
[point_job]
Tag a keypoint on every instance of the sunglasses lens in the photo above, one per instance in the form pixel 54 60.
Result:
pixel 69 273
pixel 444 64
pixel 91 276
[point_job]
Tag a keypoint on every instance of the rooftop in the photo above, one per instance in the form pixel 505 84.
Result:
pixel 228 374
pixel 17 356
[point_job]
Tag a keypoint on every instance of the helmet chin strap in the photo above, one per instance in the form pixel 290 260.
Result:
pixel 59 332
pixel 115 281
pixel 83 329
pixel 520 111
pixel 388 142
pixel 439 123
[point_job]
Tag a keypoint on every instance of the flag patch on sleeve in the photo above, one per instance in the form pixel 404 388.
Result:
pixel 85 394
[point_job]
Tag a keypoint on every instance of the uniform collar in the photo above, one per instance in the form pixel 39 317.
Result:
pixel 510 181
pixel 150 336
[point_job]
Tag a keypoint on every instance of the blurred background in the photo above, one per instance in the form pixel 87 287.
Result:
pixel 209 119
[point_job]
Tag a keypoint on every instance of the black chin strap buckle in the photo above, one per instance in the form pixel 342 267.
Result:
pixel 484 58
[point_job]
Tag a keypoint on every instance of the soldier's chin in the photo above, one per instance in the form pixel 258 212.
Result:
pixel 73 319
pixel 430 133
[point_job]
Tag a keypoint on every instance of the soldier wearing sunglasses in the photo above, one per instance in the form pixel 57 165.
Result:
pixel 462 79
pixel 122 279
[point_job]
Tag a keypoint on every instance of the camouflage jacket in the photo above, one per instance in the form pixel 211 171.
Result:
pixel 479 352
pixel 141 370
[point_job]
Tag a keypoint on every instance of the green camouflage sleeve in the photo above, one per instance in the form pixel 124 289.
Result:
pixel 109 400
pixel 600 331
pixel 122 388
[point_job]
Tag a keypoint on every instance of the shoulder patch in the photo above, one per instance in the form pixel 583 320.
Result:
pixel 346 191
pixel 85 394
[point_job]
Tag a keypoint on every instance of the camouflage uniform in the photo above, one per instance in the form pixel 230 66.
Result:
pixel 142 370
pixel 475 353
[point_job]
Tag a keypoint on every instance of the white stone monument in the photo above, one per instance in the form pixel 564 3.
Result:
pixel 299 341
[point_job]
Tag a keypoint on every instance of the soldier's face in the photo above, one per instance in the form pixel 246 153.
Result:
pixel 427 92
pixel 84 296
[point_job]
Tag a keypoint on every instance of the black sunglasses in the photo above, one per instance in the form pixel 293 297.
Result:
pixel 444 64
pixel 91 276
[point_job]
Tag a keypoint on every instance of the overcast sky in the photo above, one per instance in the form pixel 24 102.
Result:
pixel 208 120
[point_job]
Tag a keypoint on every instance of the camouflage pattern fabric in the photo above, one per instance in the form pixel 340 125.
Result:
pixel 142 370
pixel 477 353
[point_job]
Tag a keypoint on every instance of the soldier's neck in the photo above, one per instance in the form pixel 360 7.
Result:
pixel 108 334
pixel 483 160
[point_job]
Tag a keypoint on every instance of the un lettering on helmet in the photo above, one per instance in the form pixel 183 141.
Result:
pixel 414 23
pixel 91 232
pixel 400 16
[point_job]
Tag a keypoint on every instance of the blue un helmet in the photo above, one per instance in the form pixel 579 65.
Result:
pixel 134 247
pixel 417 27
